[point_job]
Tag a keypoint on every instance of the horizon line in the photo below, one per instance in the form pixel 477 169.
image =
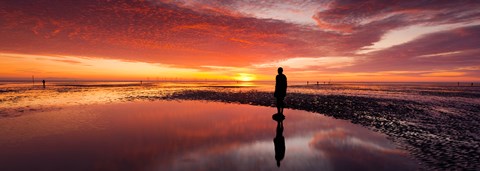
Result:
pixel 210 80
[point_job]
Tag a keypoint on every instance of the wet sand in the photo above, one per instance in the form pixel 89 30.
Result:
pixel 190 135
pixel 441 135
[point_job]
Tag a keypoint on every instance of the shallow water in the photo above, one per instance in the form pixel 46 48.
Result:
pixel 190 135
pixel 19 97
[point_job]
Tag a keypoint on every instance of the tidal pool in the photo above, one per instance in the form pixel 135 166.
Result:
pixel 191 135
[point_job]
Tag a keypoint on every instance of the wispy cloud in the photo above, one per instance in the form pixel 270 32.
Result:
pixel 307 62
pixel 444 74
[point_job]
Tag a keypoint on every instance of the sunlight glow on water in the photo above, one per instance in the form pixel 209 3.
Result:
pixel 20 98
pixel 23 97
pixel 189 135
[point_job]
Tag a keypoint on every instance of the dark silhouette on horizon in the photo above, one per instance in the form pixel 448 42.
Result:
pixel 43 82
pixel 279 140
pixel 280 89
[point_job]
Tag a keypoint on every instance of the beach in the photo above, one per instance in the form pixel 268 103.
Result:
pixel 420 125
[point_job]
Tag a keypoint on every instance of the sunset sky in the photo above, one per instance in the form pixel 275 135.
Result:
pixel 338 40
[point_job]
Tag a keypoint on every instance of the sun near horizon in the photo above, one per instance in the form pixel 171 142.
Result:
pixel 245 77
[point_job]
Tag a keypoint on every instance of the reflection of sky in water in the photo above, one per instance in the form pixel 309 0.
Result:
pixel 170 135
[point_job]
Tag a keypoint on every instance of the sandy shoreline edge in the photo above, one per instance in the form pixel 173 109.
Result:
pixel 438 141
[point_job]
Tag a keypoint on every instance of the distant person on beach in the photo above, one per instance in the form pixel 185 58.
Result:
pixel 280 90
pixel 43 81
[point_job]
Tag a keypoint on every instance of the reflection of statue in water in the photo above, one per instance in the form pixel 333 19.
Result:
pixel 279 140
pixel 280 90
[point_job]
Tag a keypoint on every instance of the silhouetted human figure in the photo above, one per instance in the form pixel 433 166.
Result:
pixel 317 83
pixel 307 82
pixel 279 140
pixel 43 82
pixel 458 84
pixel 280 89
pixel 472 84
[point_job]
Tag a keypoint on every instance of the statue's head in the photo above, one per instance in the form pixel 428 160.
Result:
pixel 280 70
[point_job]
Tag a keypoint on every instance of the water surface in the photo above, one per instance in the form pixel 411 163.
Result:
pixel 190 135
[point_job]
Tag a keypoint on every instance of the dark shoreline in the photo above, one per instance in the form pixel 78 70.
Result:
pixel 438 140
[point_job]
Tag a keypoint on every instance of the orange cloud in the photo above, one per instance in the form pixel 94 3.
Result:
pixel 444 74
pixel 193 34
